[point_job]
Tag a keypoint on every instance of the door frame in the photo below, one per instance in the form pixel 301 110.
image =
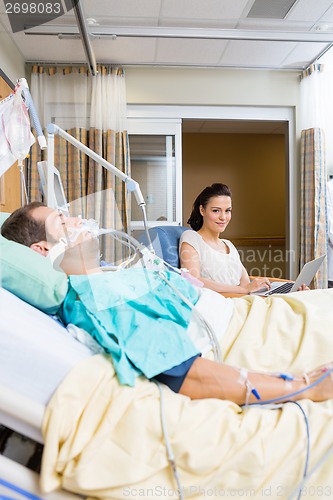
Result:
pixel 248 113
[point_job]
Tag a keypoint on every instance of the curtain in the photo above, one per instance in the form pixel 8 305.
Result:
pixel 313 202
pixel 314 227
pixel 93 110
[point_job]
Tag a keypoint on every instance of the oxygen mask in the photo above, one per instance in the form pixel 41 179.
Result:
pixel 90 226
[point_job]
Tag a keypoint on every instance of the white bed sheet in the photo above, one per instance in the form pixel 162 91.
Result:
pixel 36 352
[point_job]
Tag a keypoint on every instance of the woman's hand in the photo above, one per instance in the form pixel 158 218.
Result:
pixel 256 284
pixel 303 288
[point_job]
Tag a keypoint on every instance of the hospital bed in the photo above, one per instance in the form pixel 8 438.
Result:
pixel 30 371
pixel 114 441
pixel 227 448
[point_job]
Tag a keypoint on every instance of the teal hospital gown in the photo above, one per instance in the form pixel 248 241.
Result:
pixel 136 317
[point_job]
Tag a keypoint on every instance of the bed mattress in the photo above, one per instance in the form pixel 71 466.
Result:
pixel 36 351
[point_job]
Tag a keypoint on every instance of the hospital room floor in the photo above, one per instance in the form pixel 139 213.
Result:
pixel 20 449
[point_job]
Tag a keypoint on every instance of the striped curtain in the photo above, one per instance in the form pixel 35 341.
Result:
pixel 313 201
pixel 91 190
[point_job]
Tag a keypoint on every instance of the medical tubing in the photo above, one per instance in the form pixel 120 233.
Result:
pixel 307 456
pixel 311 471
pixel 135 243
pixel 170 454
pixel 145 225
pixel 33 113
pixel 132 245
pixel 292 394
pixel 210 331
pixel 306 475
pixel 140 247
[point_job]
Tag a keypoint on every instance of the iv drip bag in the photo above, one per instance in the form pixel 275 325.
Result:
pixel 18 129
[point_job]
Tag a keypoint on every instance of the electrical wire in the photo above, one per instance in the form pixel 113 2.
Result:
pixel 170 454
pixel 210 331
pixel 296 393
pixel 307 455
pixel 306 474
pixel 311 471
pixel 134 246
pixel 158 261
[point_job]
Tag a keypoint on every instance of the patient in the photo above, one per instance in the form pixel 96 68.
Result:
pixel 138 318
pixel 213 260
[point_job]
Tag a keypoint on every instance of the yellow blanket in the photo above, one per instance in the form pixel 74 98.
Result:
pixel 105 440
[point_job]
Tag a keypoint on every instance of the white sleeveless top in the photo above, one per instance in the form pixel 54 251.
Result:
pixel 226 268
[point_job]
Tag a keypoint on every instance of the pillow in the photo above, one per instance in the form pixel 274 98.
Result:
pixel 31 276
pixel 3 217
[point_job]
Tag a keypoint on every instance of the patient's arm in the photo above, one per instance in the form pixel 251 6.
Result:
pixel 208 379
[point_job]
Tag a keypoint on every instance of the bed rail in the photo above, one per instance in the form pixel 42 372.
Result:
pixel 15 479
pixel 21 414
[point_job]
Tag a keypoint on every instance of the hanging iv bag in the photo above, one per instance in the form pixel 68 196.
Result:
pixel 18 129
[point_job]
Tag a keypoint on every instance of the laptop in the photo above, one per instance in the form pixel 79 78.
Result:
pixel 305 276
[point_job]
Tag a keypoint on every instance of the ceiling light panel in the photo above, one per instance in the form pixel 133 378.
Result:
pixel 190 51
pixel 125 50
pixel 303 53
pixel 121 8
pixel 271 9
pixel 328 16
pixel 259 53
pixel 309 10
pixel 208 9
pixel 50 49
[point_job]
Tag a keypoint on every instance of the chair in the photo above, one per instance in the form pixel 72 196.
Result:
pixel 165 242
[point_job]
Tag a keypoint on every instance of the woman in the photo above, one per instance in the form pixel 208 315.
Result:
pixel 213 260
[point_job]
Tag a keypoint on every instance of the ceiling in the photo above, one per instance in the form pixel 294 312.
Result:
pixel 267 34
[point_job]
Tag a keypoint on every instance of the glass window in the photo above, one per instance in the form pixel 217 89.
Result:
pixel 153 166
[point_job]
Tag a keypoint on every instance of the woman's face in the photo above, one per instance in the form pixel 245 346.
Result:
pixel 217 213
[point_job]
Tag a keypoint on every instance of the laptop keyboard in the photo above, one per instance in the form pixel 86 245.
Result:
pixel 285 288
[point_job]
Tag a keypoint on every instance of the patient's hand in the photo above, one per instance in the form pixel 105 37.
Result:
pixel 303 288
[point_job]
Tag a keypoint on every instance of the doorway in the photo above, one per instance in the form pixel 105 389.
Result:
pixel 253 118
pixel 250 157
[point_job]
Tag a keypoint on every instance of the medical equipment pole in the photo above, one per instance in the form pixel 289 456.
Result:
pixel 33 113
pixel 23 87
pixel 50 198
pixel 131 184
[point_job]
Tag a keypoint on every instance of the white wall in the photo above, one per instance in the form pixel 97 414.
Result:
pixel 192 86
pixel 11 60
pixel 212 86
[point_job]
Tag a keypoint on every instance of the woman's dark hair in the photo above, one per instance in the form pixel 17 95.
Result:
pixel 22 228
pixel 217 189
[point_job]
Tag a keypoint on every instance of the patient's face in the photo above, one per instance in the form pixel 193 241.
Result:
pixel 82 249
pixel 217 213
pixel 57 225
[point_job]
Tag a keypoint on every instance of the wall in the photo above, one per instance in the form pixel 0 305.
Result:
pixel 13 67
pixel 252 165
pixel 10 194
pixel 206 86
pixel 11 60
pixel 228 87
